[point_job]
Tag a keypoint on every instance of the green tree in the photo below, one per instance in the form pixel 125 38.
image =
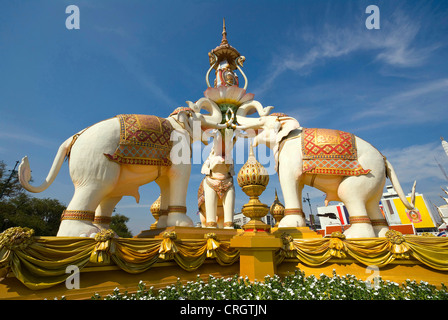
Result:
pixel 118 224
pixel 42 215
pixel 9 182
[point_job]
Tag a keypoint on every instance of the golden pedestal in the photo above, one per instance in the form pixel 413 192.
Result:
pixel 256 244
pixel 296 232
pixel 257 250
pixel 190 233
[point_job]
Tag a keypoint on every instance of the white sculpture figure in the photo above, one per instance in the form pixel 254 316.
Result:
pixel 113 158
pixel 217 201
pixel 360 189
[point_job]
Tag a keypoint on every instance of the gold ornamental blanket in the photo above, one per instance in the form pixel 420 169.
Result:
pixel 328 151
pixel 143 140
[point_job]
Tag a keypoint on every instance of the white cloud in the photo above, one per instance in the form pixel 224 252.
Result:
pixel 415 162
pixel 394 44
pixel 27 138
pixel 411 105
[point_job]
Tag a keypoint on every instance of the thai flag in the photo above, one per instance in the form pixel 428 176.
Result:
pixel 343 214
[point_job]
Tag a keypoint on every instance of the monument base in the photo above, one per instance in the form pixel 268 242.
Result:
pixel 190 233
pixel 257 250
pixel 297 232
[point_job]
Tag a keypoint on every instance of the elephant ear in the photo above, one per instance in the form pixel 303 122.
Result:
pixel 206 167
pixel 288 124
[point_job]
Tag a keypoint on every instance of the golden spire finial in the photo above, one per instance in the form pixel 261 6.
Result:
pixel 224 32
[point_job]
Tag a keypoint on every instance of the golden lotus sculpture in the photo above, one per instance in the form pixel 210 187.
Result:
pixel 253 179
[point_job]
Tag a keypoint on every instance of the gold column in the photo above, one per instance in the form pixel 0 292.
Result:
pixel 256 244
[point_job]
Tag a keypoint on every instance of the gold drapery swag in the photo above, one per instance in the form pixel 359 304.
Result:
pixel 430 250
pixel 41 262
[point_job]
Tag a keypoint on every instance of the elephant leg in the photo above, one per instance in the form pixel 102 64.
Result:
pixel 89 193
pixel 211 206
pixel 292 194
pixel 179 176
pixel 164 184
pixel 228 205
pixel 202 216
pixel 103 213
pixel 220 216
pixel 379 223
pixel 354 195
pixel 360 223
pixel 77 220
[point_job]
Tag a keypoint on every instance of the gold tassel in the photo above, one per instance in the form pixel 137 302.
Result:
pixel 336 245
pixel 212 244
pixel 168 247
pixel 397 244
pixel 103 248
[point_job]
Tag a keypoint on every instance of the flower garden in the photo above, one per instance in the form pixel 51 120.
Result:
pixel 295 286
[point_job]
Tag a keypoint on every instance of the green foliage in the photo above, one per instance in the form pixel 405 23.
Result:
pixel 42 215
pixel 19 209
pixel 292 287
pixel 9 182
pixel 118 224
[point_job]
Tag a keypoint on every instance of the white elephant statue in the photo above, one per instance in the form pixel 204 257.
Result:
pixel 113 158
pixel 344 166
pixel 216 194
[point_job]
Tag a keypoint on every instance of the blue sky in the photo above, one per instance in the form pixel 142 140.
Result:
pixel 314 60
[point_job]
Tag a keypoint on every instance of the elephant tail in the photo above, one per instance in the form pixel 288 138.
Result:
pixel 25 170
pixel 396 184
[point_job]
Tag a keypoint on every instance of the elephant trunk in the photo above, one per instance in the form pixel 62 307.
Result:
pixel 248 108
pixel 213 119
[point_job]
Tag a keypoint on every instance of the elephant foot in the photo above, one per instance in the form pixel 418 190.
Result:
pixel 102 226
pixel 380 231
pixel 179 219
pixel 162 222
pixel 292 221
pixel 360 230
pixel 229 225
pixel 211 225
pixel 77 228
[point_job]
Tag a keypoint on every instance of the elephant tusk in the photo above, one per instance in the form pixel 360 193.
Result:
pixel 252 106
pixel 413 194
